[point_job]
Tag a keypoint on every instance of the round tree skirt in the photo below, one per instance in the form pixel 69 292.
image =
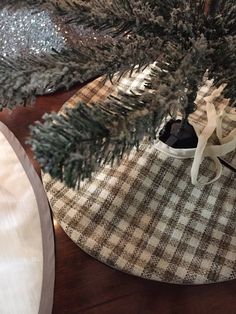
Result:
pixel 144 216
pixel 26 234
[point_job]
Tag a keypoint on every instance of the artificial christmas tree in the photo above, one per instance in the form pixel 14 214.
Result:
pixel 189 41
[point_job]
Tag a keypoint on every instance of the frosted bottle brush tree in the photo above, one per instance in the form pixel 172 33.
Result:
pixel 185 39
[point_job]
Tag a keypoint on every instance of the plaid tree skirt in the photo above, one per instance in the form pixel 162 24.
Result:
pixel 144 216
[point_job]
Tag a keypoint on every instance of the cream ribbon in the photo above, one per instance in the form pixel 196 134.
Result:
pixel 205 149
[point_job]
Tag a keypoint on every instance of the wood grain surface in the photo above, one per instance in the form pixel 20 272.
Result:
pixel 84 285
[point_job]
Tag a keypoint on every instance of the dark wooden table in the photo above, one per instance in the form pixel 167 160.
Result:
pixel 84 285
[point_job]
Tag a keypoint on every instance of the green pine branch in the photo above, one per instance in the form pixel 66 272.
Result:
pixel 73 145
pixel 117 17
pixel 22 79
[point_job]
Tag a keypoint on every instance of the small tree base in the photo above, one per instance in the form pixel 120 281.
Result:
pixel 177 136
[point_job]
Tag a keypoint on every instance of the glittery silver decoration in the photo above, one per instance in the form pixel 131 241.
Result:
pixel 24 31
pixel 30 34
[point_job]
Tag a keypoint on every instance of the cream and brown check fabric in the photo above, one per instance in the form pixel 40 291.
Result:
pixel 144 216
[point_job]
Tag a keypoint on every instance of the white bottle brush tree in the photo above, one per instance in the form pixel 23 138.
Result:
pixel 185 38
